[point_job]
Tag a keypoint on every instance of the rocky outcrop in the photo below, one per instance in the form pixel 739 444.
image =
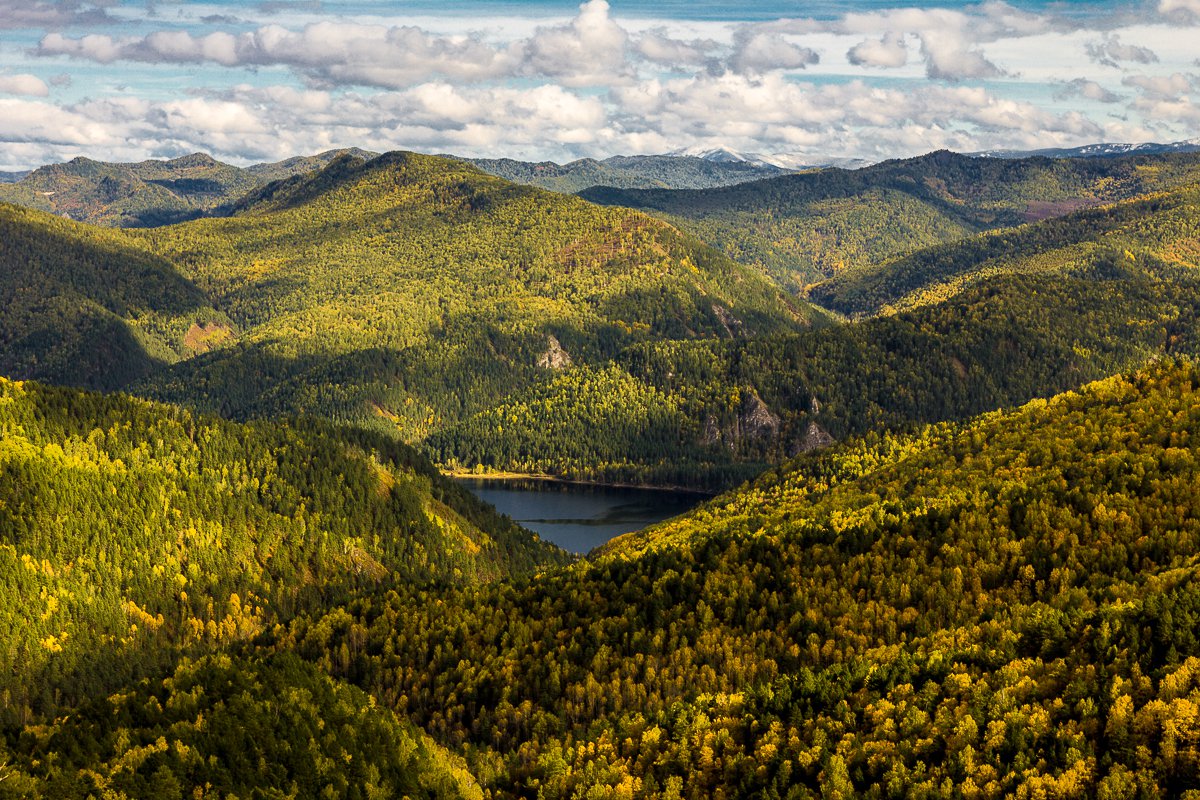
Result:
pixel 815 437
pixel 755 422
pixel 731 324
pixel 555 356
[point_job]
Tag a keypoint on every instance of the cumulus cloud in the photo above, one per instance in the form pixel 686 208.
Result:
pixel 890 51
pixel 588 51
pixel 29 85
pixel 763 51
pixel 661 48
pixel 948 56
pixel 1082 87
pixel 1161 86
pixel 1181 10
pixel 1110 51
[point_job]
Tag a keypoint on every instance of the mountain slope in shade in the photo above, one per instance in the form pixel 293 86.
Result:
pixel 89 307
pixel 803 228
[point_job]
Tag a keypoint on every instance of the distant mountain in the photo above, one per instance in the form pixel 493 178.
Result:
pixel 806 227
pixel 1156 234
pixel 146 193
pixel 672 171
pixel 1106 150
pixel 788 162
pixel 152 193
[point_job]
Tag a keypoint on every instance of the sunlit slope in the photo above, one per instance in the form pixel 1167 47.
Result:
pixel 1009 603
pixel 89 307
pixel 129 528
pixel 410 291
pixel 1158 234
pixel 802 228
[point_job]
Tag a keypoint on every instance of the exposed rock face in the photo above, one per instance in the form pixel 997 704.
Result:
pixel 729 322
pixel 756 420
pixel 815 438
pixel 554 357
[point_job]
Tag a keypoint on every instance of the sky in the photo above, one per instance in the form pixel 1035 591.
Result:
pixel 817 81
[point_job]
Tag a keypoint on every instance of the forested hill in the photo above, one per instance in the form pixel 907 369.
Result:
pixel 129 529
pixel 628 172
pixel 86 306
pixel 154 192
pixel 802 228
pixel 149 192
pixel 1005 607
pixel 1157 233
pixel 409 291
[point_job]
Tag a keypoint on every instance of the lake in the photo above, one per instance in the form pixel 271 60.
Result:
pixel 580 517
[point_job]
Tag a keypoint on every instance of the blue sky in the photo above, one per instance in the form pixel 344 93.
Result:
pixel 803 81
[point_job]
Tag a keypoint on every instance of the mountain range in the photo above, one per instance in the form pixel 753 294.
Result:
pixel 949 405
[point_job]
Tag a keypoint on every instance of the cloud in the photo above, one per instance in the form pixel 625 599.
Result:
pixel 890 51
pixel 1180 10
pixel 1110 52
pixel 1161 86
pixel 590 50
pixel 759 52
pixel 948 56
pixel 29 85
pixel 18 14
pixel 1082 87
pixel 658 46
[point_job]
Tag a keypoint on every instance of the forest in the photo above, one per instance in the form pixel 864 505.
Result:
pixel 954 551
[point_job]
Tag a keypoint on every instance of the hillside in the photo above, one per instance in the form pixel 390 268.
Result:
pixel 85 306
pixel 160 192
pixel 409 291
pixel 1002 607
pixel 1158 233
pixel 147 193
pixel 742 404
pixel 628 172
pixel 802 228
pixel 129 530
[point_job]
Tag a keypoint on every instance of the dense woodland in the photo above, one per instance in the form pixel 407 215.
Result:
pixel 128 529
pixel 500 327
pixel 915 595
pixel 804 228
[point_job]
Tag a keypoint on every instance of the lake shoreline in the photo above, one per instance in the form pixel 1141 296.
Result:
pixel 535 476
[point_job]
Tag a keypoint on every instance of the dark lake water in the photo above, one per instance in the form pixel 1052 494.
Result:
pixel 578 517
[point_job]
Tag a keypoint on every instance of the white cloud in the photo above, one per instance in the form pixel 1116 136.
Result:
pixel 763 51
pixel 1181 10
pixel 890 51
pixel 30 85
pixel 1088 89
pixel 591 50
pixel 1110 51
pixel 1161 86
pixel 660 47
